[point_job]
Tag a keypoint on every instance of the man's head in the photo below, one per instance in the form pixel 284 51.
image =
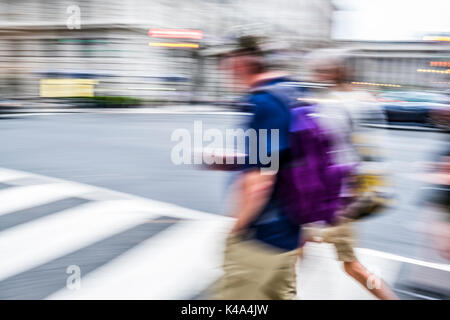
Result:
pixel 329 66
pixel 245 62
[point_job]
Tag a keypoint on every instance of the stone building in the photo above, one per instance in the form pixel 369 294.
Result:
pixel 108 41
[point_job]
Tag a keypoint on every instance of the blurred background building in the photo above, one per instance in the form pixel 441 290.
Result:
pixel 108 41
pixel 107 45
pixel 412 65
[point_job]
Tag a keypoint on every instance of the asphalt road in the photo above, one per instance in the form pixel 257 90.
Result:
pixel 124 152
pixel 131 153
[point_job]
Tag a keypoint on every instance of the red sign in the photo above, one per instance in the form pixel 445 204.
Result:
pixel 176 33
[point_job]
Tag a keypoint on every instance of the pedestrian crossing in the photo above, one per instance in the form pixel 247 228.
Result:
pixel 129 247
pixel 189 267
pixel 126 247
pixel 18 198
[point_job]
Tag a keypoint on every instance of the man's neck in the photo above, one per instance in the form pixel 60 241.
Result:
pixel 265 76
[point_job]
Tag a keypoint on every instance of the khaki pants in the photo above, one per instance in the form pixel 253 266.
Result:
pixel 342 236
pixel 255 271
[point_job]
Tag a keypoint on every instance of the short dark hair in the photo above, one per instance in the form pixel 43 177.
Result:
pixel 244 46
pixel 256 64
pixel 248 47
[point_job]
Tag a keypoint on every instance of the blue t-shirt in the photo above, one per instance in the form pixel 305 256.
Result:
pixel 272 226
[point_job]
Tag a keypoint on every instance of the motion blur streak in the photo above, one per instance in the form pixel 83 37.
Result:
pixel 91 92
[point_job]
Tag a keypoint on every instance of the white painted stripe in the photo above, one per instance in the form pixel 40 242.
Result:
pixel 174 264
pixel 323 250
pixel 181 212
pixel 31 244
pixel 6 175
pixel 19 198
pixel 99 193
pixel 390 256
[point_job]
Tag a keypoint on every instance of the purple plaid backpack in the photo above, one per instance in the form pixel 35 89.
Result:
pixel 309 187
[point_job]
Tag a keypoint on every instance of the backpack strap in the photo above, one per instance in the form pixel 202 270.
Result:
pixel 285 94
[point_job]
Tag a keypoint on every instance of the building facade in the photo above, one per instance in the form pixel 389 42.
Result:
pixel 108 40
pixel 407 65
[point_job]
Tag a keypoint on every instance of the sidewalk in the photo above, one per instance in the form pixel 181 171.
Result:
pixel 321 277
pixel 66 105
pixel 163 109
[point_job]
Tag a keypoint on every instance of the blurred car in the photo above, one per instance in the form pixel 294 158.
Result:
pixel 413 107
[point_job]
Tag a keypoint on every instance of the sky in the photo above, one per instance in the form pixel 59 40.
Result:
pixel 390 20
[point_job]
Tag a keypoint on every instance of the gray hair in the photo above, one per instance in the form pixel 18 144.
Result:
pixel 333 58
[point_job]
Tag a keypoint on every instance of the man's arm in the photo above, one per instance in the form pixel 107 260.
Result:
pixel 257 184
pixel 255 193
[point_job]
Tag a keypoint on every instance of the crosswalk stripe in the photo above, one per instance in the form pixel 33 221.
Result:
pixel 394 257
pixel 39 282
pixel 73 189
pixel 19 198
pixel 40 231
pixel 16 218
pixel 172 265
pixel 7 174
pixel 34 243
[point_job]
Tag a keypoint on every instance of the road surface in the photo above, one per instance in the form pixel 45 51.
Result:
pixel 119 205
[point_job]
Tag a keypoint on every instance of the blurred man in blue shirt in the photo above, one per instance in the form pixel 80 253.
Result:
pixel 261 253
